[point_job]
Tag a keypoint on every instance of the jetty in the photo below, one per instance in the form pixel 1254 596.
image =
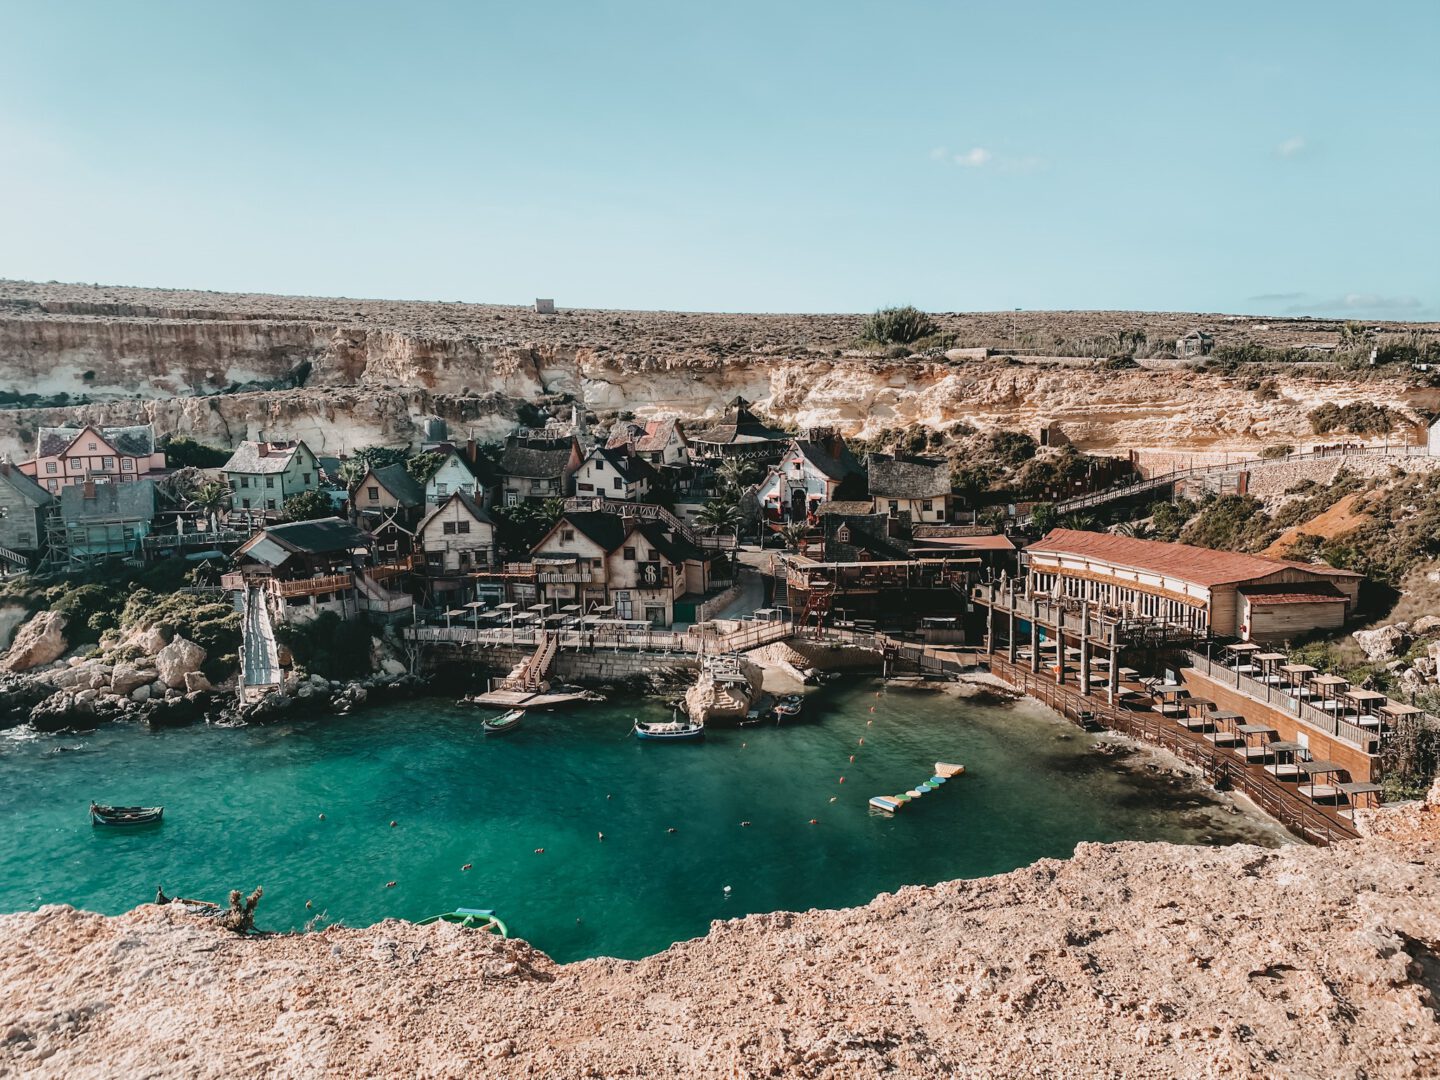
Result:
pixel 526 699
pixel 943 772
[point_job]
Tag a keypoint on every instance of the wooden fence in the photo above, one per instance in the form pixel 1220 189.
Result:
pixel 1295 812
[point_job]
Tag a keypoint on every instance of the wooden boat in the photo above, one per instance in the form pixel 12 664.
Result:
pixel 470 919
pixel 124 815
pixel 674 731
pixel 502 724
pixel 788 707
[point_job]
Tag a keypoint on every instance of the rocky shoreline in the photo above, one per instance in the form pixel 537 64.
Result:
pixel 1131 959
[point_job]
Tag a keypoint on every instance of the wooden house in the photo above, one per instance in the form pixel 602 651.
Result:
pixel 71 455
pixel 917 486
pixel 263 474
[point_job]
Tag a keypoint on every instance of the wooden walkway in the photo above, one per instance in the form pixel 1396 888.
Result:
pixel 1306 819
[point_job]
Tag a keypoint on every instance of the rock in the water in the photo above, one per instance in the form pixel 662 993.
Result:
pixel 39 641
pixel 140 693
pixel 1383 642
pixel 178 659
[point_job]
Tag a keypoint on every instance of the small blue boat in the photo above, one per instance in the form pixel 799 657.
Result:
pixel 676 730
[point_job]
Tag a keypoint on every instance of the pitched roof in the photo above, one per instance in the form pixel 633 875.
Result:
pixel 866 533
pixel 893 477
pixel 996 542
pixel 647 437
pixel 740 425
pixel 845 506
pixel 318 537
pixel 674 547
pixel 399 483
pixel 630 469
pixel 247 457
pixel 606 530
pixel 533 461
pixel 1321 592
pixel 475 510
pixel 136 440
pixel 25 486
pixel 836 468
pixel 1197 565
pixel 133 501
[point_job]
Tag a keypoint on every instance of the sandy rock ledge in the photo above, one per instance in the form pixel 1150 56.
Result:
pixel 1128 959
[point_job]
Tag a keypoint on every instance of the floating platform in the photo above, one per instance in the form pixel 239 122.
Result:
pixel 520 699
pixel 943 772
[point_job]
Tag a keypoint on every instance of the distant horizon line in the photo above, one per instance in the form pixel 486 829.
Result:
pixel 775 313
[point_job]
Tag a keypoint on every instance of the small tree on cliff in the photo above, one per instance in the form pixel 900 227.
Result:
pixel 897 326
pixel 307 506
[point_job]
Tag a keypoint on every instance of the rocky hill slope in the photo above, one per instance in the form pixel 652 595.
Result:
pixel 1141 960
pixel 343 373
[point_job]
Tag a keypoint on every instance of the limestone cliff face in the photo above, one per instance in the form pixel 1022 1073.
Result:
pixel 342 373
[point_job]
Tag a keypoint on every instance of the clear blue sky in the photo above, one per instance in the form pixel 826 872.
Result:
pixel 1262 156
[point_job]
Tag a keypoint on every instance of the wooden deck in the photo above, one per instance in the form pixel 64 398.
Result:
pixel 521 699
pixel 1310 821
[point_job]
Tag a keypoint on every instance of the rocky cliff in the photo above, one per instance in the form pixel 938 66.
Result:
pixel 342 373
pixel 1127 960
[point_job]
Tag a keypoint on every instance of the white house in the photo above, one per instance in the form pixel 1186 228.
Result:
pixel 916 486
pixel 612 474
pixel 811 471
pixel 456 537
pixel 453 475
pixel 263 475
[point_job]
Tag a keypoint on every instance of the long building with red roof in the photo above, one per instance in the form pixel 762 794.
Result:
pixel 1223 593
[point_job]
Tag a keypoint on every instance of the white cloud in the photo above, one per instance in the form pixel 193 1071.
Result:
pixel 974 158
pixel 1291 147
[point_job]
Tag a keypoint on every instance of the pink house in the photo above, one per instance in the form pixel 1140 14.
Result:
pixel 114 455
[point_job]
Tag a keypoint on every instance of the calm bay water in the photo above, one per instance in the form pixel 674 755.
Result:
pixel 244 806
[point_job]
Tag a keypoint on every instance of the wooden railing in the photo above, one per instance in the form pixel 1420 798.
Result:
pixel 312 586
pixel 1298 814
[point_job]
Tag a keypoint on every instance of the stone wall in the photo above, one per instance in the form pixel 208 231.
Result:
pixel 1273 480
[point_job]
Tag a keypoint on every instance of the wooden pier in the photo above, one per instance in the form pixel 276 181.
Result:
pixel 523 699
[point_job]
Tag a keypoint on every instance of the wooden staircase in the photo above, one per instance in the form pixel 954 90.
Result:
pixel 529 674
pixel 14 558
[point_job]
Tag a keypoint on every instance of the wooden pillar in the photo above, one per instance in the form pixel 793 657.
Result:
pixel 1085 647
pixel 1059 645
pixel 1034 635
pixel 1010 637
pixel 1112 680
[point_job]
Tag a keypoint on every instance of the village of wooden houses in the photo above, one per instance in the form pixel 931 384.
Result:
pixel 576 556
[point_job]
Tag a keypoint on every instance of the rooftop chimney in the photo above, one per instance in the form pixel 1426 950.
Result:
pixel 88 489
pixel 262 448
pixel 5 465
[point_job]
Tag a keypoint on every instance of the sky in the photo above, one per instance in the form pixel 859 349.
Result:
pixel 1276 157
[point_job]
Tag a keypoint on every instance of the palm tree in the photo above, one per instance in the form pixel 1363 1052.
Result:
pixel 210 498
pixel 735 474
pixel 352 472
pixel 795 533
pixel 719 516
pixel 1136 530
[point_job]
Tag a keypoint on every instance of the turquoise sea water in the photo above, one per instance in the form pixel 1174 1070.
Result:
pixel 243 808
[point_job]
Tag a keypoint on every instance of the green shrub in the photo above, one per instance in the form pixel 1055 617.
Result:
pixel 1280 450
pixel 897 326
pixel 182 451
pixel 307 506
pixel 1358 418
pixel 1230 523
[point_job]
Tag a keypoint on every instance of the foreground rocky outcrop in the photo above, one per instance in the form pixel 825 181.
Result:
pixel 1134 960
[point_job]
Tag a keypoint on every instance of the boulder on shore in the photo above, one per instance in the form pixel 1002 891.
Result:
pixel 39 641
pixel 126 678
pixel 178 659
pixel 1383 642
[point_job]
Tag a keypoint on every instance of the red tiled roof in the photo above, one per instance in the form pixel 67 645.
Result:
pixel 1322 592
pixel 1200 566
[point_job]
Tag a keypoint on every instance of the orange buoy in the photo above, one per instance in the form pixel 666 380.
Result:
pixel 872 708
pixel 852 759
pixel 467 866
pixel 814 821
pixel 842 779
pixel 390 884
pixel 862 740
pixel 392 824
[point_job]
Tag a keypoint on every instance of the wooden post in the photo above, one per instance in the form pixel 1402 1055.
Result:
pixel 990 623
pixel 1034 635
pixel 1085 647
pixel 1059 645
pixel 1112 681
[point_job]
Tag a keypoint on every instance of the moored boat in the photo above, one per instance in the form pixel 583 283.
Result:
pixel 502 724
pixel 675 730
pixel 788 707
pixel 125 815
pixel 470 919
